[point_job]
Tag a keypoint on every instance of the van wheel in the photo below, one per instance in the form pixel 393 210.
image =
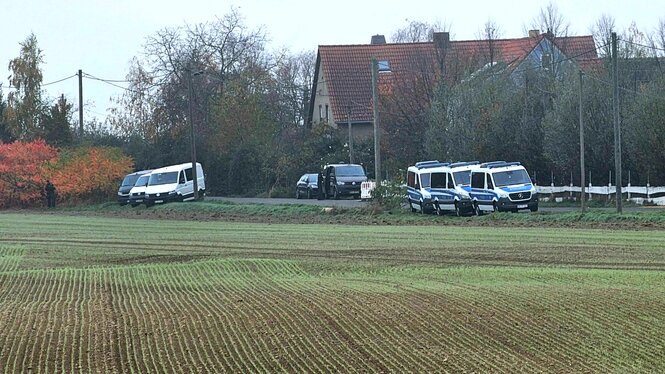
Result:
pixel 478 211
pixel 413 209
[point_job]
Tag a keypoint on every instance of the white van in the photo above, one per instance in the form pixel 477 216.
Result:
pixel 174 183
pixel 137 193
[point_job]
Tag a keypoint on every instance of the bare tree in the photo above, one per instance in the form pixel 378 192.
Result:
pixel 660 34
pixel 418 31
pixel 550 20
pixel 602 34
pixel 490 33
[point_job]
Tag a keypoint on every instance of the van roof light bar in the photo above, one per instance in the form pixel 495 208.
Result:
pixel 423 163
pixel 433 165
pixel 463 163
pixel 488 164
pixel 503 165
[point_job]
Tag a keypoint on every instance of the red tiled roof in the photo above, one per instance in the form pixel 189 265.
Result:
pixel 348 74
pixel 347 68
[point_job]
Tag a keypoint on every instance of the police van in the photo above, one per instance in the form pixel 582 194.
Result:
pixel 502 186
pixel 438 187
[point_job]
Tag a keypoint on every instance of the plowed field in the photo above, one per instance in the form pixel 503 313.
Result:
pixel 116 295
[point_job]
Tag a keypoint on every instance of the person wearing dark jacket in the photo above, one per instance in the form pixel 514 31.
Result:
pixel 50 194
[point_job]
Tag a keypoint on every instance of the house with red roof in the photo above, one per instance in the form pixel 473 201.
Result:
pixel 409 72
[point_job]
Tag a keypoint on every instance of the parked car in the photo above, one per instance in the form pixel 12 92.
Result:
pixel 174 183
pixel 439 187
pixel 137 193
pixel 342 180
pixel 127 184
pixel 502 186
pixel 307 186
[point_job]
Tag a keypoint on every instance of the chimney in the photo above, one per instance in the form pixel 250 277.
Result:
pixel 441 39
pixel 378 39
pixel 534 33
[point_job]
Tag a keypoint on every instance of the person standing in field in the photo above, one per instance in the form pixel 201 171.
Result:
pixel 50 194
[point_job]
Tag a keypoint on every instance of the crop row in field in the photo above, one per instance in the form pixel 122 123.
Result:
pixel 110 295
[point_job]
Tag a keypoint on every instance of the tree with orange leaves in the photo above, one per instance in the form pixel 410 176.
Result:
pixel 23 171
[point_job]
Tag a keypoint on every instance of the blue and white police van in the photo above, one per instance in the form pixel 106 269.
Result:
pixel 432 186
pixel 502 186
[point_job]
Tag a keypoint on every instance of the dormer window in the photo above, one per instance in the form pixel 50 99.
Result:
pixel 384 66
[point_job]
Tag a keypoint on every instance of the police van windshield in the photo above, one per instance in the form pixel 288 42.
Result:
pixel 163 178
pixel 511 177
pixel 349 171
pixel 462 178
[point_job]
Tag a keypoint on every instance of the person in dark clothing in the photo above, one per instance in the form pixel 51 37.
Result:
pixel 50 194
pixel 319 187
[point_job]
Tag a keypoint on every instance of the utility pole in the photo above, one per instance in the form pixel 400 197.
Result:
pixel 348 121
pixel 582 181
pixel 80 74
pixel 377 133
pixel 617 125
pixel 193 141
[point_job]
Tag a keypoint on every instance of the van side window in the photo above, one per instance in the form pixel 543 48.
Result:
pixel 449 181
pixel 438 180
pixel 411 179
pixel 182 178
pixel 490 185
pixel 188 174
pixel 478 180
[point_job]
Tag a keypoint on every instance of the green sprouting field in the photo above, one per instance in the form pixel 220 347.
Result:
pixel 114 295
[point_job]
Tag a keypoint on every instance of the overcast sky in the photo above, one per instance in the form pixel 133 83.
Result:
pixel 101 36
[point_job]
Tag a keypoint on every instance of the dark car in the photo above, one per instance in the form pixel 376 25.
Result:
pixel 307 186
pixel 343 180
pixel 127 185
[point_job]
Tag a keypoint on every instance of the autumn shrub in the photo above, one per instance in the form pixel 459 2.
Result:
pixel 79 174
pixel 24 171
pixel 90 174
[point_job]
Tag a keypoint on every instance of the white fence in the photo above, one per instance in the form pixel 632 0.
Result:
pixel 638 194
pixel 653 195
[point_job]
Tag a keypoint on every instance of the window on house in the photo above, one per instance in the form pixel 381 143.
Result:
pixel 320 112
pixel 384 66
pixel 546 61
pixel 327 113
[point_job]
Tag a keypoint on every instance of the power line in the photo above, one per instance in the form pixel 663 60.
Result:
pixel 43 84
pixel 59 80
pixel 643 45
pixel 627 89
